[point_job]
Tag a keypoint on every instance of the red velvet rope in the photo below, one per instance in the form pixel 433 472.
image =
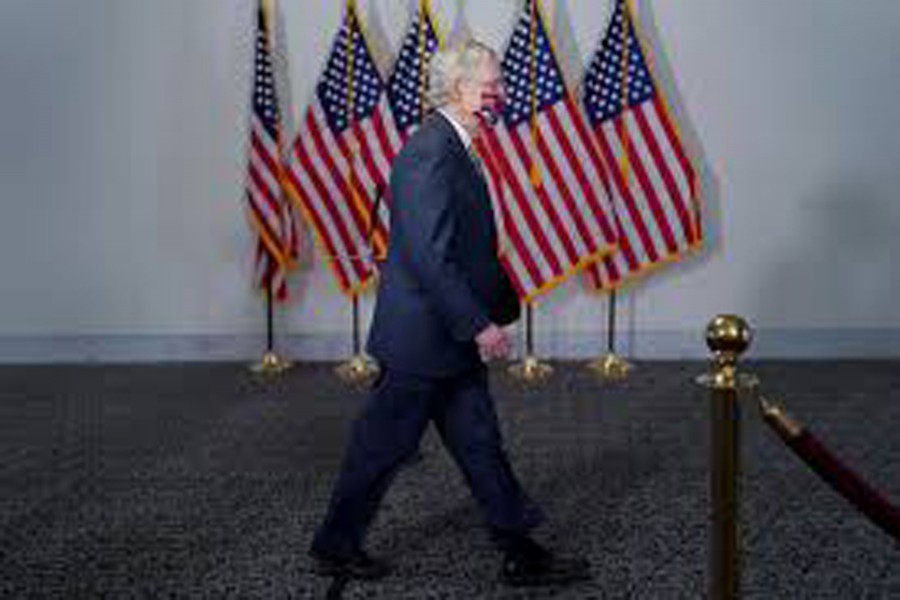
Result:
pixel 844 480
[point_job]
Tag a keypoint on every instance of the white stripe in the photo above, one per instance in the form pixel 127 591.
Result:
pixel 554 189
pixel 658 184
pixel 622 221
pixel 530 246
pixel 337 200
pixel 592 172
pixel 585 166
pixel 269 143
pixel 379 161
pixel 523 177
pixel 361 171
pixel 271 218
pixel 640 201
pixel 670 156
pixel 318 204
pixel 502 198
pixel 390 127
pixel 268 178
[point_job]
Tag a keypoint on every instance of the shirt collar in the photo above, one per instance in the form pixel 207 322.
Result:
pixel 464 135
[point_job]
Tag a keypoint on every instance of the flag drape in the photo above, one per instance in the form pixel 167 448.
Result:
pixel 546 174
pixel 408 80
pixel 271 216
pixel 654 183
pixel 341 157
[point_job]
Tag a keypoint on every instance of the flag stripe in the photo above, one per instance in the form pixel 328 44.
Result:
pixel 674 210
pixel 636 164
pixel 534 202
pixel 342 270
pixel 605 137
pixel 513 228
pixel 522 201
pixel 653 180
pixel 563 139
pixel 570 214
pixel 342 157
pixel 328 211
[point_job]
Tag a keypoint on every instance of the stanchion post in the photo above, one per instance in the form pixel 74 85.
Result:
pixel 727 336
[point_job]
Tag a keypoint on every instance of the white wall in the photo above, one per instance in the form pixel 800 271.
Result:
pixel 122 144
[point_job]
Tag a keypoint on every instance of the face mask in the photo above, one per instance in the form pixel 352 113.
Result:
pixel 491 109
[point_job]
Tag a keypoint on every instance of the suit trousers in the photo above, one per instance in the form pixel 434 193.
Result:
pixel 387 433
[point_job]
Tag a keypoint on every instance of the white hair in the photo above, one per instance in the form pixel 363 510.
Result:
pixel 452 65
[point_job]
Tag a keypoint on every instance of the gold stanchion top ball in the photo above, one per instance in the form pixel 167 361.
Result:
pixel 728 334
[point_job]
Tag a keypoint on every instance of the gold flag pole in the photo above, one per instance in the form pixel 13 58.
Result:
pixel 531 369
pixel 611 366
pixel 358 369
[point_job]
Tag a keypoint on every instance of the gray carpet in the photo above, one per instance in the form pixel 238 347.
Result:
pixel 199 481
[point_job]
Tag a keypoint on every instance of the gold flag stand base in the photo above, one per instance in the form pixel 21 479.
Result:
pixel 610 367
pixel 271 364
pixel 357 370
pixel 531 370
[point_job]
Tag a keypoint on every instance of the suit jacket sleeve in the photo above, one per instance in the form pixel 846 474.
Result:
pixel 423 211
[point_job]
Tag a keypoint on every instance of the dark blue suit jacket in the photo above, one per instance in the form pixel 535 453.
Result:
pixel 442 282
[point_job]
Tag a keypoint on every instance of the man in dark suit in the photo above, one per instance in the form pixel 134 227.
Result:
pixel 442 303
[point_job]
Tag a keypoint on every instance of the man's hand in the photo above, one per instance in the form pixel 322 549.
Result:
pixel 493 342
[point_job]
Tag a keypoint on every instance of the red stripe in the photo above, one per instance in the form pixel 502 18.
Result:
pixel 637 165
pixel 566 197
pixel 627 198
pixel 598 213
pixel 675 143
pixel 524 205
pixel 359 215
pixel 378 233
pixel 264 190
pixel 378 124
pixel 366 152
pixel 272 241
pixel 675 198
pixel 543 198
pixel 334 216
pixel 508 176
pixel 312 126
pixel 260 150
pixel 615 276
pixel 319 226
pixel 509 226
pixel 588 142
pixel 686 167
pixel 324 152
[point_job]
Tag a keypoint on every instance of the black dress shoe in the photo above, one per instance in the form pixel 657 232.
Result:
pixel 535 566
pixel 355 565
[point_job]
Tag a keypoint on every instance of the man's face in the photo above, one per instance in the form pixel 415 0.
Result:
pixel 483 89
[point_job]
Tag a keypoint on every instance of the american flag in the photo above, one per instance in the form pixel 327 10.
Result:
pixel 654 186
pixel 271 216
pixel 553 206
pixel 406 85
pixel 341 158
